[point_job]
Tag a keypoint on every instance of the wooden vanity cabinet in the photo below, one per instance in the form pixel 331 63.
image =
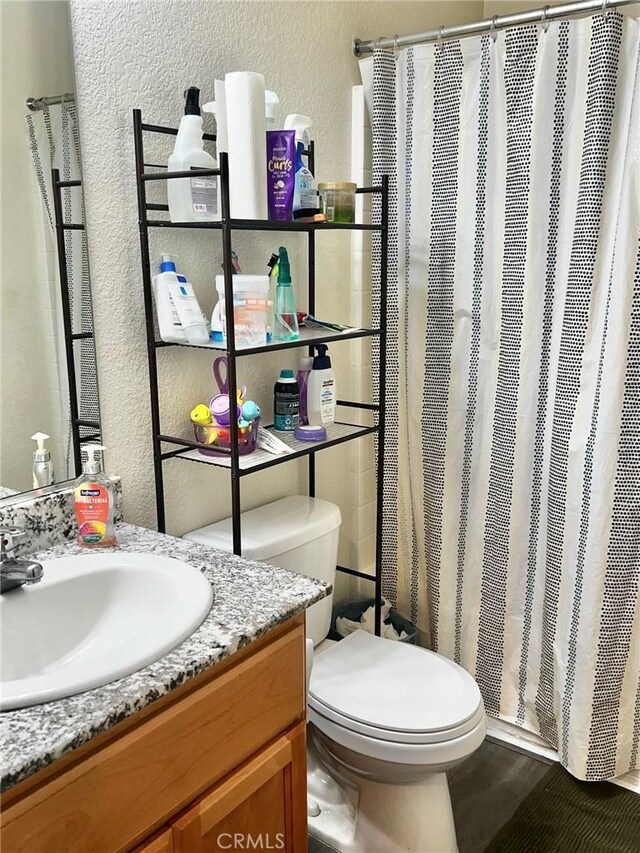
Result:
pixel 217 765
pixel 255 808
pixel 160 843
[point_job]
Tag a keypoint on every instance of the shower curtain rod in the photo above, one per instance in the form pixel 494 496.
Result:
pixel 35 104
pixel 498 22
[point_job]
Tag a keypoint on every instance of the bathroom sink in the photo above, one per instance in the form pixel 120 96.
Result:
pixel 93 619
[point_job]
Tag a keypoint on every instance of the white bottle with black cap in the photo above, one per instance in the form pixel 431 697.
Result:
pixel 192 199
pixel 321 390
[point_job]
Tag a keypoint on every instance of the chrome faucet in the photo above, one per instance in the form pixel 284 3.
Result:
pixel 14 572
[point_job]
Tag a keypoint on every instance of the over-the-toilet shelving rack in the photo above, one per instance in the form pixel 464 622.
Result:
pixel 339 432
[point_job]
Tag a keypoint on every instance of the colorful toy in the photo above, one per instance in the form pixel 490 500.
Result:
pixel 201 414
pixel 250 411
pixel 211 423
pixel 219 407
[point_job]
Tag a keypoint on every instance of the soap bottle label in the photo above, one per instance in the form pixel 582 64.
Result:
pixel 92 512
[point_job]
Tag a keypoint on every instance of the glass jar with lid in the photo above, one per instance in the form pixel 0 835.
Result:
pixel 338 201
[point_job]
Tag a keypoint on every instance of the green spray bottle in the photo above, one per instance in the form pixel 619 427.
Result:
pixel 285 320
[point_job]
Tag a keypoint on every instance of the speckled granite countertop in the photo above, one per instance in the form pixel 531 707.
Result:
pixel 249 600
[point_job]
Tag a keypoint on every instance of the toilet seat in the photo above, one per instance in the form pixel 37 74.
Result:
pixel 424 755
pixel 393 692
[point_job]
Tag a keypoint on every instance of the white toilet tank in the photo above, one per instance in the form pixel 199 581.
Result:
pixel 296 533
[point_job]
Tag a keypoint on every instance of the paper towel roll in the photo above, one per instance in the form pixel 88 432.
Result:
pixel 246 135
pixel 222 139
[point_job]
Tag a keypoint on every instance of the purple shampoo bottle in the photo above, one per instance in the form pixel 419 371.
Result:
pixel 302 378
pixel 281 175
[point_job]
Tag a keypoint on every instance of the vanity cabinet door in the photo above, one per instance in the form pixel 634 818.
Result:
pixel 160 843
pixel 261 806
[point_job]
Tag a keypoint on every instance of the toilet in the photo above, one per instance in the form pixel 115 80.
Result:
pixel 387 719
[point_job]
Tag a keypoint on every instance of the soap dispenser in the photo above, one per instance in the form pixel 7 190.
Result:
pixel 94 502
pixel 321 389
pixel 42 465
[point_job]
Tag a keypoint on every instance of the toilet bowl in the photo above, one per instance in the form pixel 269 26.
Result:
pixel 387 720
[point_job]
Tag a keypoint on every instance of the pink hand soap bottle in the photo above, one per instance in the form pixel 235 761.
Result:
pixel 94 503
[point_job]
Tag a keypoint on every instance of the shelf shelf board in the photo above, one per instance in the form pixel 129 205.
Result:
pixel 307 338
pixel 267 225
pixel 337 433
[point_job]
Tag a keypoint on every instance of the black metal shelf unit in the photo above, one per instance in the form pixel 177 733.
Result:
pixel 242 466
pixel 70 337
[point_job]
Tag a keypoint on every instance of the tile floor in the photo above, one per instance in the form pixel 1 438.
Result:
pixel 487 789
pixel 485 792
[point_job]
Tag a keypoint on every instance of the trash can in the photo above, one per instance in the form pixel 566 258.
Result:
pixel 353 610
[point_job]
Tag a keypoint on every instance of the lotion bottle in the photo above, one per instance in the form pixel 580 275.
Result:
pixel 321 390
pixel 94 502
pixel 169 323
pixel 189 313
pixel 192 199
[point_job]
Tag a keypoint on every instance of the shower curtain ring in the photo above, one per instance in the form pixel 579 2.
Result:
pixel 440 32
pixel 605 8
pixel 545 22
pixel 492 28
pixel 395 43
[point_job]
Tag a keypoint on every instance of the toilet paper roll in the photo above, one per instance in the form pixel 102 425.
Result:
pixel 222 139
pixel 247 141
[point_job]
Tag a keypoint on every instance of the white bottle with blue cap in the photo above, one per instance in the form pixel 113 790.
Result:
pixel 180 318
pixel 169 323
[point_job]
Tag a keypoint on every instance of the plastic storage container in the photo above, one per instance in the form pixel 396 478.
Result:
pixel 338 201
pixel 250 304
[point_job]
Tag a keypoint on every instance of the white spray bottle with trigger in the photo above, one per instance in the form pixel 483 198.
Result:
pixel 305 196
pixel 193 199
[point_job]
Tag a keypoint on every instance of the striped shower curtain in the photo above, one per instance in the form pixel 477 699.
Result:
pixel 512 476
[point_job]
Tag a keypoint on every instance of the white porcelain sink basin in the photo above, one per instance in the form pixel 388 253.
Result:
pixel 93 619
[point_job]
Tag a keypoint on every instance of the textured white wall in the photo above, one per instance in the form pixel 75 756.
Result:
pixel 144 54
pixel 36 61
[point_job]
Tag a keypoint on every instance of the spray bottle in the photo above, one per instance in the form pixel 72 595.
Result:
pixel 305 195
pixel 192 199
pixel 94 502
pixel 285 320
pixel 271 104
pixel 42 467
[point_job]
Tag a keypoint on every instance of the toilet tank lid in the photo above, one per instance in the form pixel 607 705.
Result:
pixel 274 528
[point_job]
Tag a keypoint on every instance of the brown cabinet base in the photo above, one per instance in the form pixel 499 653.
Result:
pixel 223 755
